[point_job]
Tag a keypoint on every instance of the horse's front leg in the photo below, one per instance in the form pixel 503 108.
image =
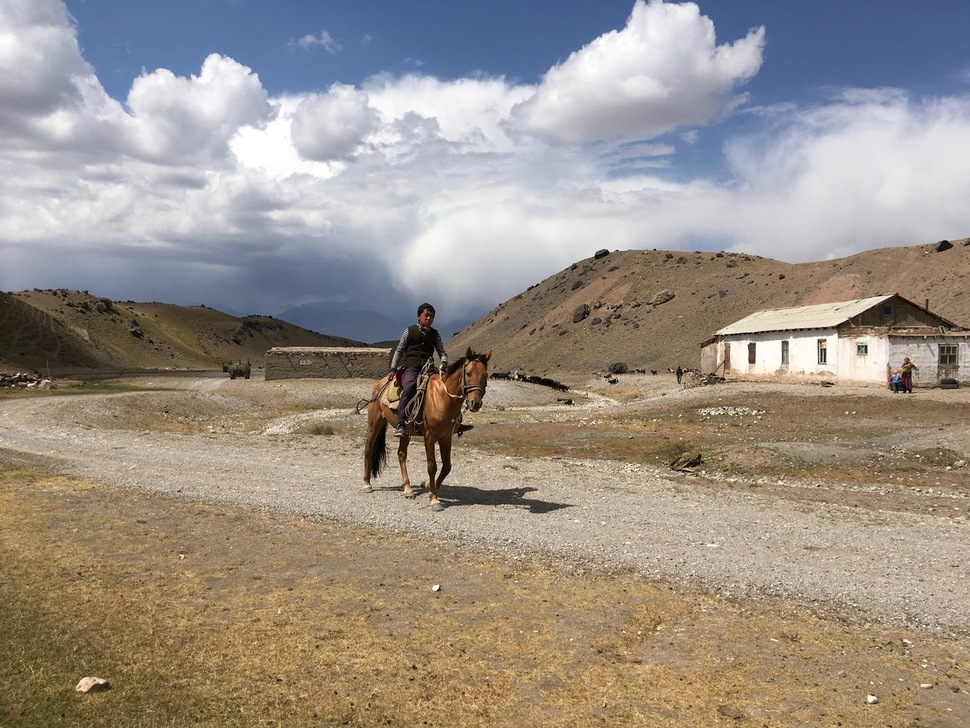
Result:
pixel 432 469
pixel 402 458
pixel 445 446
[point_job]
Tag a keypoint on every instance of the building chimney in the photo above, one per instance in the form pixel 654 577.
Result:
pixel 927 306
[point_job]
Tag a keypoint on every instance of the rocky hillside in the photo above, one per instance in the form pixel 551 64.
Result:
pixel 64 331
pixel 647 309
pixel 653 309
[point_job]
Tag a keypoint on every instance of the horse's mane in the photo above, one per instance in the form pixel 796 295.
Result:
pixel 454 367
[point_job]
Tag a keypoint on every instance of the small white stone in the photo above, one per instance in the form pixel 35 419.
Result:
pixel 871 699
pixel 436 587
pixel 92 685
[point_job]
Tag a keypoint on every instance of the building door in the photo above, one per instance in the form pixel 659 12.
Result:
pixel 727 359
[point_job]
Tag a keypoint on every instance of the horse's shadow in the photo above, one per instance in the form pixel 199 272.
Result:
pixel 468 495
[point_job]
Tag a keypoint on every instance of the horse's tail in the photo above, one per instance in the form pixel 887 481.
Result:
pixel 378 450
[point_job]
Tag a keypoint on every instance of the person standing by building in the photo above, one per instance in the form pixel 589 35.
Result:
pixel 907 372
pixel 418 343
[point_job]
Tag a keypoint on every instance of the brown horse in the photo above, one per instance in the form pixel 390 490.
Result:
pixel 462 384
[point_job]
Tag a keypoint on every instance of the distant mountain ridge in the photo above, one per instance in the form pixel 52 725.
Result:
pixel 339 320
pixel 61 331
pixel 649 309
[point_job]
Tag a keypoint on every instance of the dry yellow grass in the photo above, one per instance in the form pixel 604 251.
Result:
pixel 212 615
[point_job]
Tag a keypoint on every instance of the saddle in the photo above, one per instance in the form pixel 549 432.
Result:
pixel 392 395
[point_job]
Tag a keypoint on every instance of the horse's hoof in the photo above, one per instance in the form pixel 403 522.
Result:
pixel 367 488
pixel 437 507
pixel 410 494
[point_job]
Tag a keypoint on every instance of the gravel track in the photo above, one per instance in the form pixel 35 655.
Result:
pixel 901 568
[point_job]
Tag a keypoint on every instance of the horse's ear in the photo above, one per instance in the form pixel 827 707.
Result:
pixel 488 356
pixel 469 353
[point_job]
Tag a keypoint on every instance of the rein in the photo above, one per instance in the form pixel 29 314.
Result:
pixel 362 404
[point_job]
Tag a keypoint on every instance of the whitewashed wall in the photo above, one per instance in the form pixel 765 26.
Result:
pixel 925 353
pixel 843 359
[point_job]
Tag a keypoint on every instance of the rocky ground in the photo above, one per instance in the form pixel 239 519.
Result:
pixel 257 443
pixel 875 553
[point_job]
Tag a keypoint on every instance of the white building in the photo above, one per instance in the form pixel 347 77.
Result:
pixel 860 340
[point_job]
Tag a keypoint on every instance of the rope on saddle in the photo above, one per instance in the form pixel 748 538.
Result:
pixel 416 404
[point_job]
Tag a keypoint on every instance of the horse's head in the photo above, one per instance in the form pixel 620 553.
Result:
pixel 474 378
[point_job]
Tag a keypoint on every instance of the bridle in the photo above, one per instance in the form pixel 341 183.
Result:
pixel 466 388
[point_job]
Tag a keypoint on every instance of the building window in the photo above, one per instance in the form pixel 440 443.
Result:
pixel 305 363
pixel 948 355
pixel 823 357
pixel 887 310
pixel 784 353
pixel 862 349
pixel 751 353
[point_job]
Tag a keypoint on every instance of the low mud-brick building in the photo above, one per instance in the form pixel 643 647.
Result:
pixel 317 362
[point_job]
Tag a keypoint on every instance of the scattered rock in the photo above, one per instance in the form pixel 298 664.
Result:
pixel 25 380
pixel 730 412
pixel 581 312
pixel 92 685
pixel 662 297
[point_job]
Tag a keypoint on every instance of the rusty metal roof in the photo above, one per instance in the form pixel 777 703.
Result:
pixel 820 316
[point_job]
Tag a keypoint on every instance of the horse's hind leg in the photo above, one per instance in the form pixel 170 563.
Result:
pixel 368 451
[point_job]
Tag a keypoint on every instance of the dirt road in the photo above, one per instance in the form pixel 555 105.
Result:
pixel 905 568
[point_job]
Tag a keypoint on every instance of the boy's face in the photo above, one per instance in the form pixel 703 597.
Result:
pixel 425 318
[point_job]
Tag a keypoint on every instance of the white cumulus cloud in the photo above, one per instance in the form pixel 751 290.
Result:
pixel 330 126
pixel 663 70
pixel 176 117
pixel 464 191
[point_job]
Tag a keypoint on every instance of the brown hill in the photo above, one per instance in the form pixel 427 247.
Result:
pixel 647 309
pixel 66 331
pixel 653 309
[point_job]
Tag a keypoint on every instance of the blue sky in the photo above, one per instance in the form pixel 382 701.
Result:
pixel 257 155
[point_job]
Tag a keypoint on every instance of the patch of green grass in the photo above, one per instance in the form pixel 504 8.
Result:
pixel 670 451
